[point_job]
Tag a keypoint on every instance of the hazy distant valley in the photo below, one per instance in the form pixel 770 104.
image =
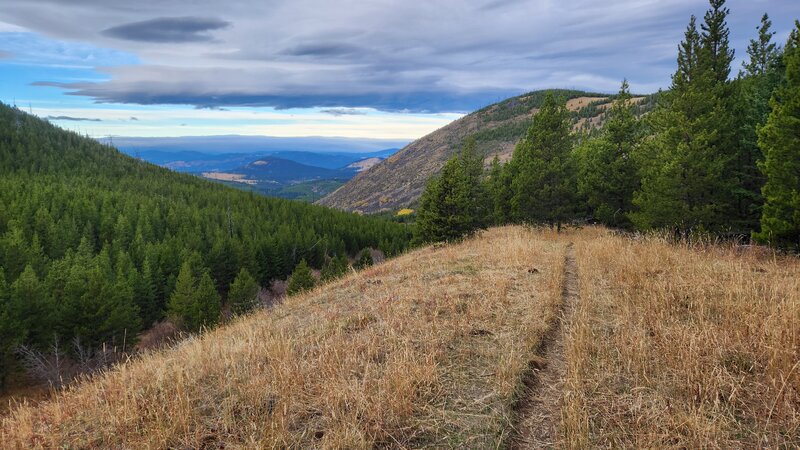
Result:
pixel 294 168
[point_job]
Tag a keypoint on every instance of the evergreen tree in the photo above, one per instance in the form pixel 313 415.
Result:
pixel 9 333
pixel 607 173
pixel 208 303
pixel 301 280
pixel 452 205
pixel 471 162
pixel 181 304
pixel 780 141
pixel 121 321
pixel 335 267
pixel 243 294
pixel 29 307
pixel 364 260
pixel 498 189
pixel 753 90
pixel 685 165
pixel 715 53
pixel 544 185
pixel 764 54
pixel 145 292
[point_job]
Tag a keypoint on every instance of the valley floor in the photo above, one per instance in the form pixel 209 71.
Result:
pixel 464 346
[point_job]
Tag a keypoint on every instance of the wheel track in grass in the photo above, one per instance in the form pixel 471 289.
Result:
pixel 538 410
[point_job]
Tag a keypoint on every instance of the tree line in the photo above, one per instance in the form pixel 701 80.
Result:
pixel 716 154
pixel 96 246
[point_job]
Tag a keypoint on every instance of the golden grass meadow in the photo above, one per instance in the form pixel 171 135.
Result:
pixel 668 346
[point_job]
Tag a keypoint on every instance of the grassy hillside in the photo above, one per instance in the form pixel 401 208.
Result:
pixel 678 347
pixel 424 350
pixel 399 180
pixel 665 347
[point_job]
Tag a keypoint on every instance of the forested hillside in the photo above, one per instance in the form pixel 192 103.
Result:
pixel 92 242
pixel 717 155
pixel 398 181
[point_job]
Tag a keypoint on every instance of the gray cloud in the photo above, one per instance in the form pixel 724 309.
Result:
pixel 134 119
pixel 343 112
pixel 168 29
pixel 72 119
pixel 448 55
pixel 322 49
pixel 6 55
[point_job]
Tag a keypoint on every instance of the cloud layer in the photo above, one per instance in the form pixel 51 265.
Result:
pixel 168 29
pixel 72 119
pixel 444 55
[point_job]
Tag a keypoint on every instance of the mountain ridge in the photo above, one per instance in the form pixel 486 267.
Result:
pixel 398 181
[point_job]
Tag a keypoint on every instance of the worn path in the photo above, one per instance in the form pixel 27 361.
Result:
pixel 539 410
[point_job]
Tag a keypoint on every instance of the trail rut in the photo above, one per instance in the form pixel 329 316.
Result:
pixel 539 408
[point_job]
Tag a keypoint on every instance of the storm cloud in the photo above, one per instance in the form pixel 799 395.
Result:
pixel 168 29
pixel 442 56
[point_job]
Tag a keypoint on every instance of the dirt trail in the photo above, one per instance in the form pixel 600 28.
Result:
pixel 539 409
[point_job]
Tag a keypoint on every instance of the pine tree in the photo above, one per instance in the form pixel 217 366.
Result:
pixel 685 166
pixel 121 321
pixel 243 294
pixel 780 141
pixel 498 190
pixel 9 333
pixel 208 303
pixel 607 173
pixel 335 267
pixel 544 185
pixel 145 291
pixel 30 308
pixel 471 162
pixel 301 280
pixel 752 92
pixel 764 54
pixel 181 302
pixel 453 204
pixel 715 53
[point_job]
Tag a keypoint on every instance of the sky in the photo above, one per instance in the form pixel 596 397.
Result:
pixel 374 69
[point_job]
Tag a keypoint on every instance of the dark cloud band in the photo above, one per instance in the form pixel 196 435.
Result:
pixel 415 102
pixel 168 29
pixel 72 119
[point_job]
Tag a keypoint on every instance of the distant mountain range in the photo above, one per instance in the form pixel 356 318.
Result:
pixel 297 168
pixel 252 144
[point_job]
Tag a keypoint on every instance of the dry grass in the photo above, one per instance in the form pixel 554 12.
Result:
pixel 424 350
pixel 667 347
pixel 676 347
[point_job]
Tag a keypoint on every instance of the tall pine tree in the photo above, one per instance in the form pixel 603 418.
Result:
pixel 607 173
pixel 686 182
pixel 780 141
pixel 752 91
pixel 544 188
pixel 181 303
